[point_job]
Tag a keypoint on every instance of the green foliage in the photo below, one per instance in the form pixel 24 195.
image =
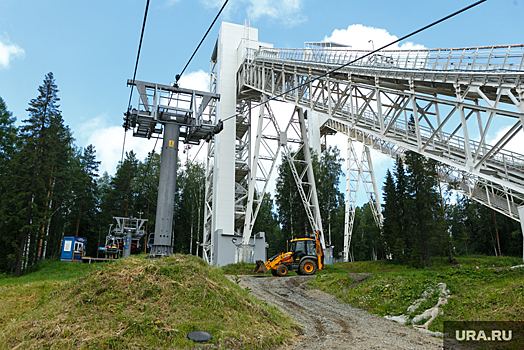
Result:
pixel 476 229
pixel 366 241
pixel 7 141
pixel 189 207
pixel 86 199
pixel 120 199
pixel 39 183
pixel 479 292
pixel 267 222
pixel 413 216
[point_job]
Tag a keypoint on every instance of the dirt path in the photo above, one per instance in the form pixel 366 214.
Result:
pixel 329 324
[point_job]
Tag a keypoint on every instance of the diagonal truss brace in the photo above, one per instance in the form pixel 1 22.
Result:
pixel 266 151
pixel 310 200
pixel 359 170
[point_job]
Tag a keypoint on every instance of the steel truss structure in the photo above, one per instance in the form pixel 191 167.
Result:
pixel 447 104
pixel 241 171
pixel 357 171
pixel 270 140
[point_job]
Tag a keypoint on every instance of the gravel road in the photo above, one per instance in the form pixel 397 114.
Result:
pixel 329 324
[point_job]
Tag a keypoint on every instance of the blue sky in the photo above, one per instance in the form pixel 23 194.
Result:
pixel 91 46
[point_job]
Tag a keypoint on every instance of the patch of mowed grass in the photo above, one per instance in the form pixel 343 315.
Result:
pixel 383 294
pixel 50 270
pixel 437 264
pixel 20 294
pixel 377 266
pixel 484 294
pixel 238 269
pixel 490 293
pixel 245 269
pixel 137 303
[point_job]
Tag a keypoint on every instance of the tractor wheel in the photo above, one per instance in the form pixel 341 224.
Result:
pixel 274 272
pixel 308 267
pixel 282 270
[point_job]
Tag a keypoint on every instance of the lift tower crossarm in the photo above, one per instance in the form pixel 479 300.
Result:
pixel 184 113
pixel 164 103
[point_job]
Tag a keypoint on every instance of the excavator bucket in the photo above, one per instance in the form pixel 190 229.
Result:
pixel 260 268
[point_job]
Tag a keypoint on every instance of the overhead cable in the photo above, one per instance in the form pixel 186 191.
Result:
pixel 201 41
pixel 134 75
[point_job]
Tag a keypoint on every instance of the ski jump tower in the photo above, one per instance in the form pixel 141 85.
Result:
pixel 458 100
pixel 242 157
pixel 228 159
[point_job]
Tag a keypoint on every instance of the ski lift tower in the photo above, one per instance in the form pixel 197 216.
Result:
pixel 173 113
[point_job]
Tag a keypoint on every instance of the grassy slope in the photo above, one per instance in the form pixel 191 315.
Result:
pixel 139 303
pixel 18 295
pixel 486 293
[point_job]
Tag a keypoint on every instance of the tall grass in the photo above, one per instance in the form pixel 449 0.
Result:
pixel 145 303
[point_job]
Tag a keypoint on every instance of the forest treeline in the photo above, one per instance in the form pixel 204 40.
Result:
pixel 50 188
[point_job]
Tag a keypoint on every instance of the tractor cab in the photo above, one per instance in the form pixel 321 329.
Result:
pixel 301 247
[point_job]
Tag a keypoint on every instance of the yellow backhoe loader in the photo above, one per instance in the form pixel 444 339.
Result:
pixel 306 256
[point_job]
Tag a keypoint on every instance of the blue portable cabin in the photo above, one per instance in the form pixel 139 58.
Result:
pixel 73 248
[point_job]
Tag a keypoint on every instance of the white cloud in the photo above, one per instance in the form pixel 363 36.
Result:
pixel 515 145
pixel 9 51
pixel 108 141
pixel 359 36
pixel 171 2
pixel 198 80
pixel 288 11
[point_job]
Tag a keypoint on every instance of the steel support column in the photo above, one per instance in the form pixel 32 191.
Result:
pixel 166 191
pixel 521 215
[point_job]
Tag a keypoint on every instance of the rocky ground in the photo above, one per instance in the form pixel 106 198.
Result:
pixel 329 324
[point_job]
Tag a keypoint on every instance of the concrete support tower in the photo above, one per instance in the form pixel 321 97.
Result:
pixel 230 152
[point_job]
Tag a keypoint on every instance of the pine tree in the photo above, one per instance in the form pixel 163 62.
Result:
pixel 147 188
pixel 43 147
pixel 189 216
pixel 8 133
pixel 267 222
pixel 87 224
pixel 291 213
pixel 391 230
pixel 404 242
pixel 327 177
pixel 120 200
pixel 423 208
